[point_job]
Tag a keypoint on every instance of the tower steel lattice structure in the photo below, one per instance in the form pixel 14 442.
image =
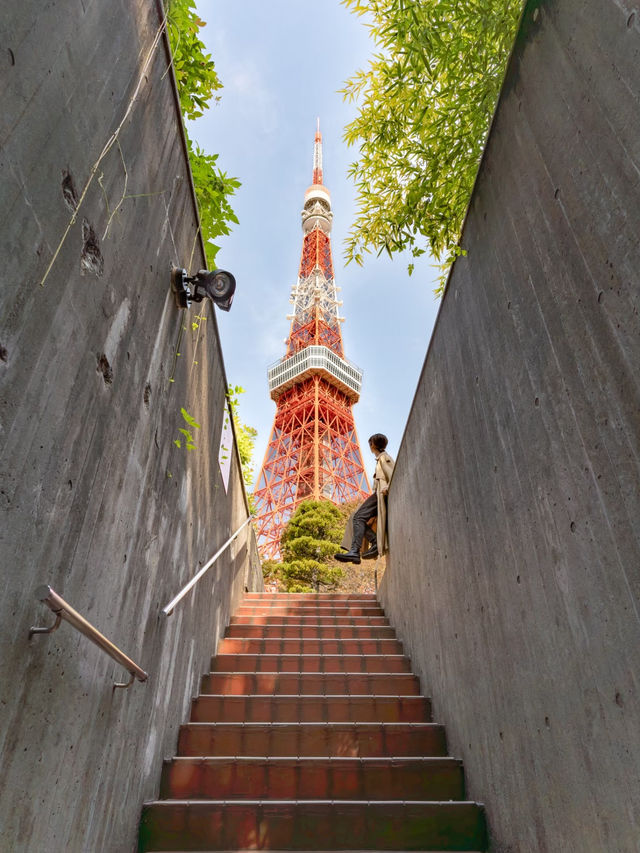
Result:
pixel 313 450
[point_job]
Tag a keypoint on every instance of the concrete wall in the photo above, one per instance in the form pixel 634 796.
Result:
pixel 96 499
pixel 514 573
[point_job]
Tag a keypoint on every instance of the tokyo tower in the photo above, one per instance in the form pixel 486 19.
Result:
pixel 313 450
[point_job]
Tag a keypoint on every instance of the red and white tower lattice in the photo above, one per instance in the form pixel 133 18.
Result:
pixel 313 451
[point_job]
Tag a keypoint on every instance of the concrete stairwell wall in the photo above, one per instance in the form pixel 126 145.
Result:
pixel 514 573
pixel 95 366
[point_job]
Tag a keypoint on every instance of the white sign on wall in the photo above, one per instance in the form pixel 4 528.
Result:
pixel 226 448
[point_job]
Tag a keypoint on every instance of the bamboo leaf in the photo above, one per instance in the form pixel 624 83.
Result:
pixel 424 107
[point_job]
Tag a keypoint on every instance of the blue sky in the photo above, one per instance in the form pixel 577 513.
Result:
pixel 282 64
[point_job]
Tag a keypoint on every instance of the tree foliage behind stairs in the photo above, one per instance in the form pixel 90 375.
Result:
pixel 308 543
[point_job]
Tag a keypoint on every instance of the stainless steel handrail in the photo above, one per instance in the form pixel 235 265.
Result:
pixel 63 610
pixel 168 610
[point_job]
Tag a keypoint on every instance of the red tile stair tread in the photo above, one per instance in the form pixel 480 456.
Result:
pixel 319 824
pixel 313 778
pixel 311 605
pixel 330 663
pixel 310 645
pixel 298 596
pixel 310 708
pixel 320 622
pixel 323 683
pixel 311 739
pixel 367 607
pixel 314 632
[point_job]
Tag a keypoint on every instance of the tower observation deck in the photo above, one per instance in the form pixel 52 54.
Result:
pixel 313 449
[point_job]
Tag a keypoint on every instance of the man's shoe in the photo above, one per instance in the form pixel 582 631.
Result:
pixel 371 554
pixel 349 557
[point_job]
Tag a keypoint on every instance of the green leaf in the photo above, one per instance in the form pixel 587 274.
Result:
pixel 189 419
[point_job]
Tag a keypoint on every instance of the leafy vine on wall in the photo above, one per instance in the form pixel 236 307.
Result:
pixel 198 85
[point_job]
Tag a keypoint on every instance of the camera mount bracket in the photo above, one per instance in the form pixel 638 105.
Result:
pixel 183 294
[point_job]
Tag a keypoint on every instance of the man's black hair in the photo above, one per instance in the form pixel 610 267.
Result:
pixel 379 441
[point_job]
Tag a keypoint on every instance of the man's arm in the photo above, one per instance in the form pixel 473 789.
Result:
pixel 386 466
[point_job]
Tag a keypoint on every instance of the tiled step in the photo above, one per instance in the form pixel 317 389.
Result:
pixel 292 597
pixel 314 632
pixel 313 779
pixel 316 825
pixel 310 663
pixel 311 610
pixel 288 601
pixel 312 709
pixel 322 620
pixel 305 683
pixel 312 739
pixel 307 646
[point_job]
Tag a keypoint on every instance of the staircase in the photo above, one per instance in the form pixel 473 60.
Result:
pixel 310 734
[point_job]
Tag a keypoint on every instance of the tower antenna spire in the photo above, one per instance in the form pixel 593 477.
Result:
pixel 317 155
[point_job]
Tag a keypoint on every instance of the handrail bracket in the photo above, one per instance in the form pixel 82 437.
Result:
pixel 125 684
pixel 35 630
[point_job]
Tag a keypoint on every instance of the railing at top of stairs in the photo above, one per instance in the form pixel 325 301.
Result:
pixel 168 609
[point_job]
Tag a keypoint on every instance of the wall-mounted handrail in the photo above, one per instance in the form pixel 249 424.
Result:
pixel 166 611
pixel 63 610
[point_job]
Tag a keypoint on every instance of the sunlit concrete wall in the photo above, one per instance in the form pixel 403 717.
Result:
pixel 514 573
pixel 96 363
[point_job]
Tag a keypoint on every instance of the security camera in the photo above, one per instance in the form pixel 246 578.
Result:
pixel 218 285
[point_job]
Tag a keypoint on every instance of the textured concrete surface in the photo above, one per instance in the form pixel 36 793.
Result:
pixel 97 500
pixel 514 572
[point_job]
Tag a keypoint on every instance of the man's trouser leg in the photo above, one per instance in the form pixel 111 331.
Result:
pixel 368 509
